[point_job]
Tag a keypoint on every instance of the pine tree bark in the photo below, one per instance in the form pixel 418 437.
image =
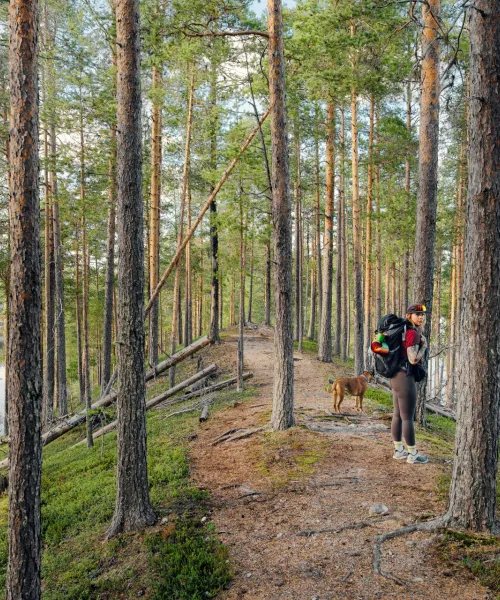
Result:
pixel 282 415
pixel 188 300
pixel 60 316
pixel 473 493
pixel 85 290
pixel 317 209
pixel 368 238
pixel 214 231
pixel 176 327
pixel 154 208
pixel 299 308
pixel 325 332
pixel 107 340
pixel 356 232
pixel 78 315
pixel 427 175
pixel 133 509
pixel 49 346
pixel 25 372
pixel 406 284
pixel 340 241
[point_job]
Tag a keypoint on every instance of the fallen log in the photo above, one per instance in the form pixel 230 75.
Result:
pixel 205 410
pixel 70 423
pixel 214 388
pixel 155 401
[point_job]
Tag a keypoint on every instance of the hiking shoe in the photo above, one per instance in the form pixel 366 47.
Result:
pixel 417 458
pixel 400 454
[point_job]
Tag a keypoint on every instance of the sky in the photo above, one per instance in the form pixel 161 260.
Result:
pixel 259 6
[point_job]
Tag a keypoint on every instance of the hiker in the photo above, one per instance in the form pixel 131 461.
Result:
pixel 404 392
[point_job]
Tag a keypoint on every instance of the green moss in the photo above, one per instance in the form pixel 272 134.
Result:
pixel 478 554
pixel 307 345
pixel 78 497
pixel 291 454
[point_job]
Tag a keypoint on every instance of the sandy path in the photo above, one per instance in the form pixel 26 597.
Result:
pixel 271 562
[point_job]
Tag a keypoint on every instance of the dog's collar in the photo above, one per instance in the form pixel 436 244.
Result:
pixel 364 377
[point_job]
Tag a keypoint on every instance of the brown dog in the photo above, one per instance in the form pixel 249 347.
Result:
pixel 355 386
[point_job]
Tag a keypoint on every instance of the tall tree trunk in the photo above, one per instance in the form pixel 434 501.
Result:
pixel 356 232
pixel 340 242
pixel 406 284
pixel 176 328
pixel 241 311
pixel 325 333
pixel 49 346
pixel 133 509
pixel 7 294
pixel 473 493
pixel 368 239
pixel 345 254
pixel 110 266
pixel 60 318
pixel 267 299
pixel 317 210
pixel 214 231
pixel 250 292
pixel 154 208
pixel 25 371
pixel 427 175
pixel 378 243
pixel 200 291
pixel 299 308
pixel 188 320
pixel 78 315
pixel 282 415
pixel 85 284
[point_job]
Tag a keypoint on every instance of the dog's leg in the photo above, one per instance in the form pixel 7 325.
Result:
pixel 340 399
pixel 361 402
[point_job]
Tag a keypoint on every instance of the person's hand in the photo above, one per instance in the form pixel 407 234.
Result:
pixel 423 341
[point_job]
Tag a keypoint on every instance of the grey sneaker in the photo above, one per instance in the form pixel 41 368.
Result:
pixel 400 454
pixel 417 458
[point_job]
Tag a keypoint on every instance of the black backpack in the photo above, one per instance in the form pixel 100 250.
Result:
pixel 394 330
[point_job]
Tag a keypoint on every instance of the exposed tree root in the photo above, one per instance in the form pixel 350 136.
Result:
pixel 437 523
pixel 239 436
pixel 360 525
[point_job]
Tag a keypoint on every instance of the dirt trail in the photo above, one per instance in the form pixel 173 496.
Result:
pixel 258 516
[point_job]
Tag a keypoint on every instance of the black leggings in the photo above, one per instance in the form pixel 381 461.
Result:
pixel 404 396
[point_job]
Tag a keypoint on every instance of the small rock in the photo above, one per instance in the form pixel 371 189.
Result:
pixel 378 509
pixel 410 543
pixel 203 519
pixel 249 574
pixel 164 520
pixel 280 535
pixel 418 579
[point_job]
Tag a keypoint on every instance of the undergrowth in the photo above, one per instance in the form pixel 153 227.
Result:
pixel 78 497
pixel 480 555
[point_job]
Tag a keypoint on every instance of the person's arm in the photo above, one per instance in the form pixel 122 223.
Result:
pixel 416 352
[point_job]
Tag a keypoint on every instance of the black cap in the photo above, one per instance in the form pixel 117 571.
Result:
pixel 416 308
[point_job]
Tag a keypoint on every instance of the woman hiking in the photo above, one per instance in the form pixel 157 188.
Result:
pixel 404 393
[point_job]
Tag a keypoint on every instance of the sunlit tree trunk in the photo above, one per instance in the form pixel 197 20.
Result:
pixel 325 331
pixel 427 174
pixel 23 580
pixel 473 493
pixel 282 415
pixel 133 509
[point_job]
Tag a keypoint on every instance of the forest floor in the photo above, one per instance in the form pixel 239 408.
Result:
pixel 325 473
pixel 246 519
